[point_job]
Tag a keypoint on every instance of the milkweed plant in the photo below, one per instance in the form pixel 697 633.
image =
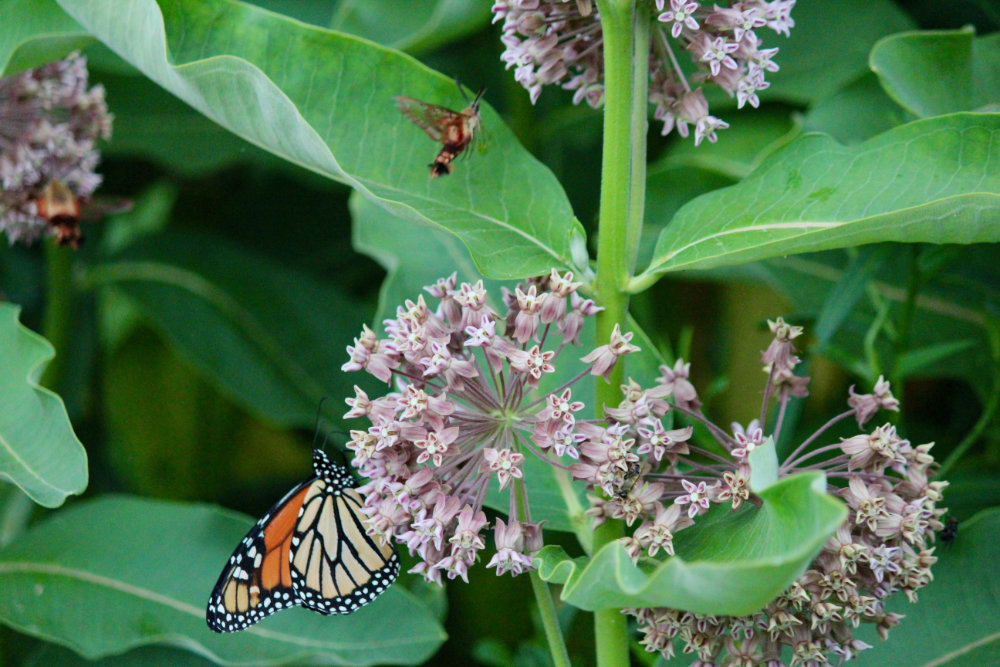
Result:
pixel 521 404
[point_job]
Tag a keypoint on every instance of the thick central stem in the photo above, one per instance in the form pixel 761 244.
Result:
pixel 626 54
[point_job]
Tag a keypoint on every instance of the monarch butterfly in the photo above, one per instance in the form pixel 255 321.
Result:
pixel 310 549
pixel 454 129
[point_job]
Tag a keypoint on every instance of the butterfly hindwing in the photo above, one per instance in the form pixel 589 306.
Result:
pixel 336 566
pixel 310 549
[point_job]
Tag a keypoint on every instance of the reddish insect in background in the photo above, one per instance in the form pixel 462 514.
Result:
pixel 454 129
pixel 63 210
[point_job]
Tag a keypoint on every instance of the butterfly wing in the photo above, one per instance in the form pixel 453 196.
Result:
pixel 336 567
pixel 257 580
pixel 432 119
pixel 311 548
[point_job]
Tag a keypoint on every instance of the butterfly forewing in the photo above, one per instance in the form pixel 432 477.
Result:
pixel 310 549
pixel 257 580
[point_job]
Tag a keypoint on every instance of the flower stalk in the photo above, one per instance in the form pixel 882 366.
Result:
pixel 620 223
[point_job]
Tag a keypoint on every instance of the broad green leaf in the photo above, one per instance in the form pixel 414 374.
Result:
pixel 324 101
pixel 116 573
pixel 763 466
pixel 730 563
pixel 828 46
pixel 270 337
pixel 685 172
pixel 934 73
pixel 745 145
pixel 147 656
pixel 38 450
pixel 956 622
pixel 34 32
pixel 935 180
pixel 914 361
pixel 151 123
pixel 411 25
pixel 413 255
pixel 858 111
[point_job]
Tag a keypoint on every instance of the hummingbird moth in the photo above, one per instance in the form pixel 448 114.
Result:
pixel 454 129
pixel 63 210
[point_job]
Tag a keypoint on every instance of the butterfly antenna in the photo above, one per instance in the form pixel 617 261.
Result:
pixel 319 415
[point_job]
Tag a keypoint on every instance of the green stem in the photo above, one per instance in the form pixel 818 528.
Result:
pixel 579 521
pixel 550 620
pixel 638 129
pixel 626 54
pixel 58 320
pixel 543 598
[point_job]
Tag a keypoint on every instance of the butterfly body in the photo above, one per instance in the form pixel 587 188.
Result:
pixel 310 549
pixel 454 129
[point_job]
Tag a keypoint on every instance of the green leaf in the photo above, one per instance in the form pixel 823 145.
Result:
pixel 203 447
pixel 35 32
pixel 736 157
pixel 763 466
pixel 685 171
pixel 116 573
pixel 324 101
pixel 936 180
pixel 149 656
pixel 858 111
pixel 152 123
pixel 730 563
pixel 38 450
pixel 411 25
pixel 934 73
pixel 829 46
pixel 957 620
pixel 267 335
pixel 913 361
pixel 414 256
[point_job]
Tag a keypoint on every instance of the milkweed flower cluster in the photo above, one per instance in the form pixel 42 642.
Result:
pixel 561 42
pixel 466 408
pixel 657 480
pixel 50 122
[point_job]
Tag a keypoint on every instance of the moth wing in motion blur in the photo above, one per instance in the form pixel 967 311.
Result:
pixel 309 549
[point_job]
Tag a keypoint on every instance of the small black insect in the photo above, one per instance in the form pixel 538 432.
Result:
pixel 950 530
